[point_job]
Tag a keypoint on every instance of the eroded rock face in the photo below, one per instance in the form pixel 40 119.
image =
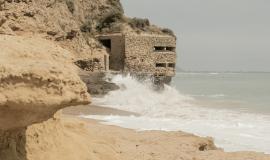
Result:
pixel 37 78
pixel 97 83
pixel 67 22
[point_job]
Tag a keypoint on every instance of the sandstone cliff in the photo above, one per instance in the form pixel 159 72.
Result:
pixel 39 41
pixel 72 24
pixel 37 79
pixel 57 20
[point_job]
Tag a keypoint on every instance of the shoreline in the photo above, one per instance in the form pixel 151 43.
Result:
pixel 96 110
pixel 74 112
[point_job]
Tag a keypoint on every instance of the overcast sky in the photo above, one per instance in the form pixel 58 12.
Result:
pixel 213 35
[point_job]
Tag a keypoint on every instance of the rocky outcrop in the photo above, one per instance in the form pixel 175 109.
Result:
pixel 70 23
pixel 73 24
pixel 97 83
pixel 37 79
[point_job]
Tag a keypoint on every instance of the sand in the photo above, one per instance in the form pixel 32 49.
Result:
pixel 95 110
pixel 68 137
pixel 111 142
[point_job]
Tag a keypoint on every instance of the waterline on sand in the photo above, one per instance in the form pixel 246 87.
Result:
pixel 170 110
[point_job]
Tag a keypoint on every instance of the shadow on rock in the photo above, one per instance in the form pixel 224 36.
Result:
pixel 13 144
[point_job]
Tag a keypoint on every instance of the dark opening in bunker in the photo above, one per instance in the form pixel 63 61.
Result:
pixel 160 64
pixel 107 43
pixel 159 48
pixel 171 65
pixel 172 49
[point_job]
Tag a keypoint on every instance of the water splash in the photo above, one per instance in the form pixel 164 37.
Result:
pixel 170 110
pixel 140 97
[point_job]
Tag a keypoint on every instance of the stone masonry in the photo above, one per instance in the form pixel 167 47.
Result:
pixel 143 54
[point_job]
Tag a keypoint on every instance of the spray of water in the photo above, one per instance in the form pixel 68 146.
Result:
pixel 171 111
pixel 140 97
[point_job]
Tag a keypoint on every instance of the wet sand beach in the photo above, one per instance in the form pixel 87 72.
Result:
pixel 115 142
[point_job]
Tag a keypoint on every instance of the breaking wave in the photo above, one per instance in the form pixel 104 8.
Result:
pixel 140 97
pixel 170 110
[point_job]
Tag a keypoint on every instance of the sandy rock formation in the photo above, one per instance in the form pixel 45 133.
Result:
pixel 37 79
pixel 73 24
pixel 70 23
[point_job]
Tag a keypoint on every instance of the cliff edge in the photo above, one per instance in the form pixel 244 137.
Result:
pixel 40 40
pixel 37 79
pixel 73 24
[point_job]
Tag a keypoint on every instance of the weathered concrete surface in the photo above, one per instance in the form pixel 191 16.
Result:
pixel 116 50
pixel 141 55
pixel 150 54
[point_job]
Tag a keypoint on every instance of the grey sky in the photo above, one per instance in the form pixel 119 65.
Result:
pixel 221 35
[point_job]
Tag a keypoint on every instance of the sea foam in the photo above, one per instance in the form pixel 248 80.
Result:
pixel 169 110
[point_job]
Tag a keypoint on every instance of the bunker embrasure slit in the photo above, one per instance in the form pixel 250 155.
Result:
pixel 161 65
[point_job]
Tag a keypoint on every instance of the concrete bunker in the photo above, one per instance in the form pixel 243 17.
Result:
pixel 114 43
pixel 164 49
pixel 161 65
pixel 171 65
pixel 172 49
pixel 159 48
pixel 146 54
pixel 107 43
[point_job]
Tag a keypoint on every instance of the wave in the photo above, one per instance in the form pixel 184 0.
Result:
pixel 210 96
pixel 208 73
pixel 141 97
pixel 170 110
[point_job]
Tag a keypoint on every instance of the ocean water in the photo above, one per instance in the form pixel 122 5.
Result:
pixel 233 108
pixel 248 92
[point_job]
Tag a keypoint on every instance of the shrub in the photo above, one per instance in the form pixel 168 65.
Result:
pixel 109 19
pixel 168 31
pixel 139 23
pixel 86 27
pixel 70 5
pixel 116 4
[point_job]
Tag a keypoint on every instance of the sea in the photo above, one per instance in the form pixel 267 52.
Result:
pixel 232 108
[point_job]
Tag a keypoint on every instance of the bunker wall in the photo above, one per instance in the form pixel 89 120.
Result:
pixel 116 51
pixel 150 54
